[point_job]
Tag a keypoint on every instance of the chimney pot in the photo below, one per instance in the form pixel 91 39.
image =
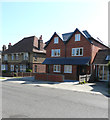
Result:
pixel 9 45
pixel 40 38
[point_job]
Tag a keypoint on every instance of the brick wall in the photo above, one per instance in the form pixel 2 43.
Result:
pixel 49 77
pixel 75 44
pixel 40 68
pixel 71 76
pixel 60 46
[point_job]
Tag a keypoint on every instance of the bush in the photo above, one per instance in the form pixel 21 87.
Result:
pixel 28 70
pixel 4 71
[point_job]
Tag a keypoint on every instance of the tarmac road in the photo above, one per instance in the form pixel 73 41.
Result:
pixel 25 101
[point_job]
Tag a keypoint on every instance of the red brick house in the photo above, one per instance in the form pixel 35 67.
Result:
pixel 71 54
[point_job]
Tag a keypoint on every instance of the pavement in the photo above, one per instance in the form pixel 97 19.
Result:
pixel 93 88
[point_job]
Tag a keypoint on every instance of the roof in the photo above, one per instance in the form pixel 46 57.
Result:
pixel 68 61
pixel 101 56
pixel 67 36
pixel 27 44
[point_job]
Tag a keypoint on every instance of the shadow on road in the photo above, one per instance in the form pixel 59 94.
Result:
pixel 101 87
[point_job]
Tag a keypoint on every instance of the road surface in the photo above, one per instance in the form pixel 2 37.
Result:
pixel 26 101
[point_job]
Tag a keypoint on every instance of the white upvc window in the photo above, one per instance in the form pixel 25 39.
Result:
pixel 25 56
pixel 67 68
pixel 77 51
pixel 12 56
pixel 12 67
pixel 56 68
pixel 4 67
pixel 22 68
pixel 77 37
pixel 16 56
pixel 56 40
pixel 55 52
pixel 5 57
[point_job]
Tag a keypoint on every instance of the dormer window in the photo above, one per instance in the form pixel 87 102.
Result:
pixel 55 40
pixel 108 57
pixel 77 37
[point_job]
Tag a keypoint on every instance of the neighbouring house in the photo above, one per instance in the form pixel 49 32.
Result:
pixel 27 54
pixel 72 54
pixel 101 65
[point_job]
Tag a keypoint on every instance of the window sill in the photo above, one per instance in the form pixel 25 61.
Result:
pixel 57 71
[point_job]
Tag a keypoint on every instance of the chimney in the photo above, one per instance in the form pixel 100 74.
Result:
pixel 4 48
pixel 40 43
pixel 9 45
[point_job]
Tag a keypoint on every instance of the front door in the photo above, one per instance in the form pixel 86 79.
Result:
pixel 81 70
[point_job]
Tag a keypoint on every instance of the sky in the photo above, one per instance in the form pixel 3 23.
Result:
pixel 28 18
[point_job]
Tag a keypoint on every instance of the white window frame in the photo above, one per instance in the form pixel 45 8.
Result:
pixel 17 58
pixel 22 68
pixel 4 67
pixel 5 57
pixel 12 68
pixel 53 51
pixel 77 37
pixel 12 56
pixel 75 51
pixel 67 68
pixel 58 68
pixel 25 56
pixel 56 40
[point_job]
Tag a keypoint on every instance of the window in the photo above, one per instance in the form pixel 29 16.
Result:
pixel 12 57
pixel 16 56
pixel 22 68
pixel 67 68
pixel 77 51
pixel 55 40
pixel 55 52
pixel 25 56
pixel 108 57
pixel 5 57
pixel 77 37
pixel 12 67
pixel 4 67
pixel 56 68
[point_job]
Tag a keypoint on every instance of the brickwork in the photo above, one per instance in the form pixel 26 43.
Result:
pixel 49 77
pixel 77 44
pixel 60 46
pixel 40 68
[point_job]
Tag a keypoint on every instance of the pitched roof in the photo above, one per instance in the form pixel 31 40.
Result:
pixel 101 56
pixel 27 44
pixel 67 36
pixel 68 61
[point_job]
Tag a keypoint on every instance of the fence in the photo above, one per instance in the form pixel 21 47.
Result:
pixel 19 74
pixel 84 78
